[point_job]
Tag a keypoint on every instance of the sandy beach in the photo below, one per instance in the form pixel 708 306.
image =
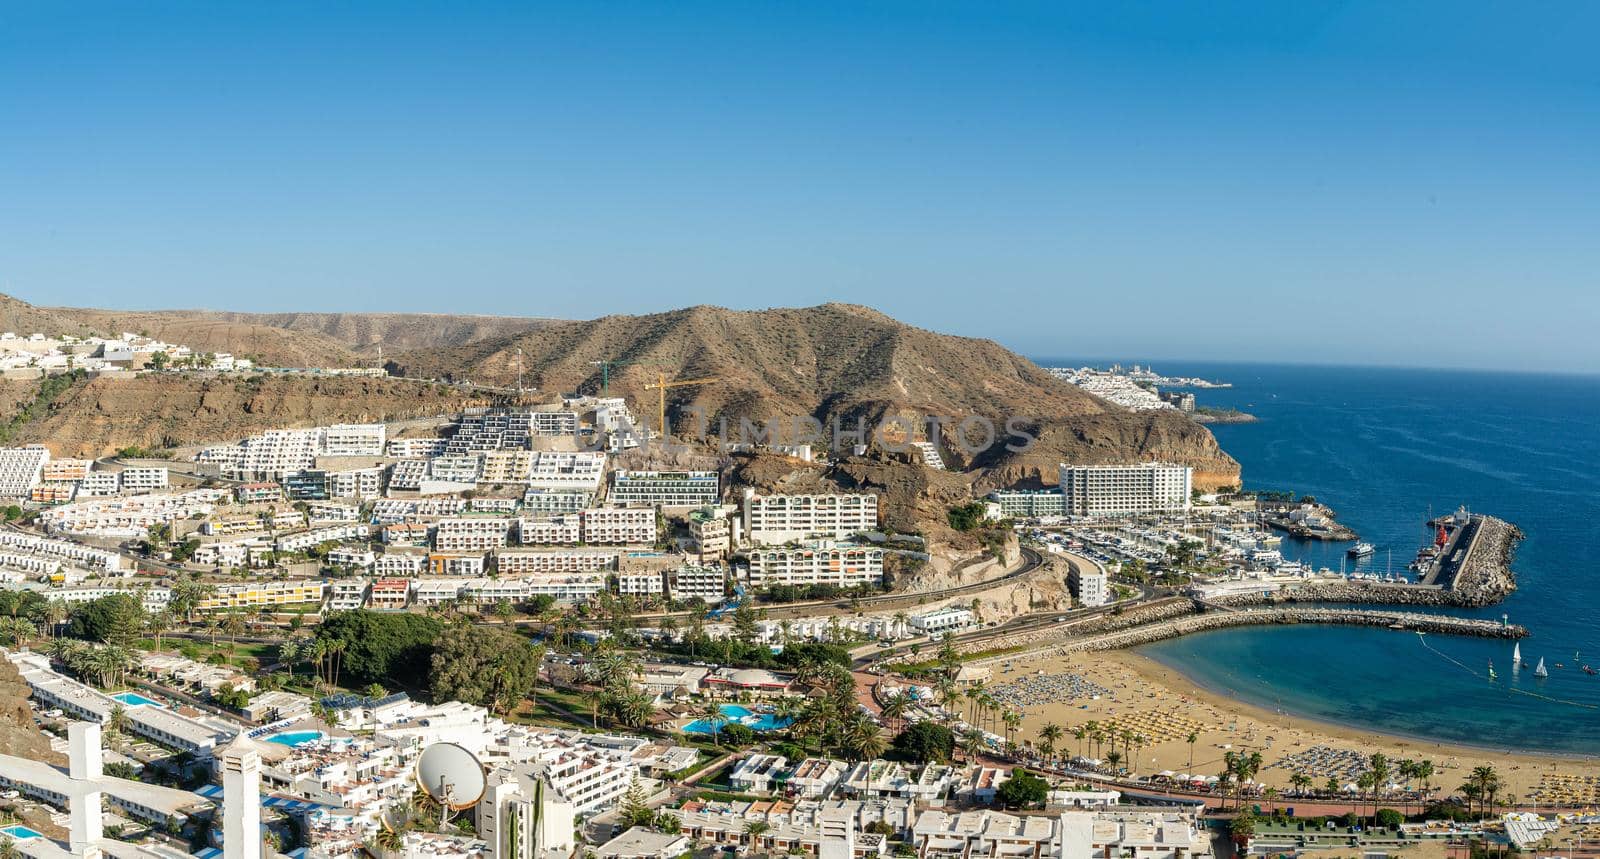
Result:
pixel 1151 699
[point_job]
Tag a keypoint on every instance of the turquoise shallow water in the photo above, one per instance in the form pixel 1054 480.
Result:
pixel 1381 446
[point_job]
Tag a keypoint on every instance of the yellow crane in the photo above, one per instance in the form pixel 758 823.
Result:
pixel 662 385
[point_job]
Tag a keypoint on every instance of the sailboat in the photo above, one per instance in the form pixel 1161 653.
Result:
pixel 1516 656
pixel 1540 671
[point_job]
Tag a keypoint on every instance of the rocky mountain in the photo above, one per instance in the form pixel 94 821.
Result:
pixel 835 362
pixel 361 333
pixel 278 339
pixel 97 417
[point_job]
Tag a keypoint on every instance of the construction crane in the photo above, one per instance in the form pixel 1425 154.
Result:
pixel 662 385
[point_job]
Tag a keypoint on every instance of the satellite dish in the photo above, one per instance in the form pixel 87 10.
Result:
pixel 451 775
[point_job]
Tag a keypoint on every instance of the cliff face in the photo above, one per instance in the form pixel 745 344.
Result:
pixel 101 416
pixel 1112 438
pixel 18 734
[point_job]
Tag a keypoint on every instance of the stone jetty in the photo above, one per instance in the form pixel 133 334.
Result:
pixel 1172 618
pixel 1409 621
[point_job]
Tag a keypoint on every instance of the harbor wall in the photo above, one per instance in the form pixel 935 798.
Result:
pixel 1411 621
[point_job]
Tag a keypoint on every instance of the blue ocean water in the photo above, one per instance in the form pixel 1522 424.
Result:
pixel 1380 445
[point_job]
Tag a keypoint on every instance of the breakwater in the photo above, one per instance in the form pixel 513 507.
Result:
pixel 1173 618
pixel 1482 575
pixel 1357 592
pixel 1409 621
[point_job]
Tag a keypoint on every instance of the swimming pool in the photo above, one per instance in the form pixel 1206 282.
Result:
pixel 295 739
pixel 735 714
pixel 134 699
pixel 19 832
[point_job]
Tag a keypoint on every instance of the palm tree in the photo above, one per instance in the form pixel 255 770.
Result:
pixel 116 724
pixel 1012 720
pixel 972 745
pixel 753 830
pixel 711 714
pixel 1113 758
pixel 1365 782
pixel 1194 737
pixel 1301 782
pixel 158 623
pixel 896 709
pixel 1048 735
pixel 1078 734
pixel 862 740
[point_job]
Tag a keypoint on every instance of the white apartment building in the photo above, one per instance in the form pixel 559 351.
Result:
pixel 99 484
pixel 356 483
pixel 770 519
pixel 816 564
pixel 711 532
pixel 164 726
pixel 492 591
pixel 642 584
pixel 1088 583
pixel 555 500
pixel 563 530
pixel 471 533
pixel 400 563
pixel 758 773
pixel 692 581
pixel 455 469
pixel 416 448
pixel 407 475
pixel 313 538
pixel 506 466
pixel 352 556
pixel 66 550
pixel 516 562
pixel 346 594
pixel 429 592
pixel 128 517
pixel 619 525
pixel 392 510
pixel 354 440
pixel 456 564
pixel 325 512
pixel 230 553
pixel 142 479
pixel 1125 490
pixel 942 620
pixel 21 469
pixel 565 587
pixel 666 488
pixel 268 456
pixel 573 471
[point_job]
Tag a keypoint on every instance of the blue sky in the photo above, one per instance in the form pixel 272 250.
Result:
pixel 1411 183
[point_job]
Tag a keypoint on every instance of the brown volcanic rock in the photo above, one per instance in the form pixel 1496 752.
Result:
pixel 355 335
pixel 835 362
pixel 101 416
pixel 18 734
pixel 276 339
